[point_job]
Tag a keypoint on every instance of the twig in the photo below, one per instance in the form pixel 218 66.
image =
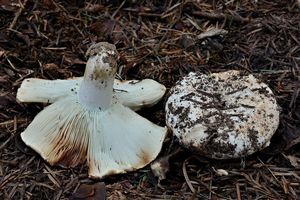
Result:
pixel 238 192
pixel 17 15
pixel 220 16
pixel 118 9
pixel 12 122
pixel 212 32
pixel 52 176
pixel 157 47
pixel 186 177
pixel 6 142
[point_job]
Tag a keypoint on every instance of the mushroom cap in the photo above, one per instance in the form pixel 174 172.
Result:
pixel 112 141
pixel 222 115
pixel 134 94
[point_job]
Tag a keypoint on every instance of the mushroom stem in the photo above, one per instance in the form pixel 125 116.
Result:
pixel 96 89
pixel 96 97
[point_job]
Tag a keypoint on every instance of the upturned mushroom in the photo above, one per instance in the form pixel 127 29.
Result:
pixel 134 94
pixel 89 124
pixel 222 115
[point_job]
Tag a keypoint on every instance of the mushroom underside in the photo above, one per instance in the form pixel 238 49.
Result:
pixel 112 141
pixel 134 94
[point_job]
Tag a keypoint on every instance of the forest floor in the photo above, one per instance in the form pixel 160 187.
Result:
pixel 162 41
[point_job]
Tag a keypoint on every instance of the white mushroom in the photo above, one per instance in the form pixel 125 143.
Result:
pixel 91 125
pixel 134 94
pixel 222 115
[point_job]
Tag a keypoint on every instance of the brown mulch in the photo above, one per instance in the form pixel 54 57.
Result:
pixel 48 39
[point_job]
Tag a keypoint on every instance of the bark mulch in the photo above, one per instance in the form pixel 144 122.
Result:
pixel 163 41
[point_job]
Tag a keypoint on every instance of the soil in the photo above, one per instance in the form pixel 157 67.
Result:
pixel 162 41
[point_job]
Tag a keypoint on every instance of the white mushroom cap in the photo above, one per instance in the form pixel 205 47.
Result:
pixel 222 115
pixel 90 125
pixel 134 94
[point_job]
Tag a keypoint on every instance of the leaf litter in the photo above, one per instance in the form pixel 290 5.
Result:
pixel 162 41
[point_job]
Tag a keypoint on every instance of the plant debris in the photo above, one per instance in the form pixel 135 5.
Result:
pixel 158 40
pixel 95 191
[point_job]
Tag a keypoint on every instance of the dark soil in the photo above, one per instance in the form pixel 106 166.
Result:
pixel 48 39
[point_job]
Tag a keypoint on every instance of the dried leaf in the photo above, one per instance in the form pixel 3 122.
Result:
pixel 4 79
pixel 103 28
pixel 9 5
pixel 187 41
pixel 2 52
pixel 54 69
pixel 285 185
pixel 49 4
pixel 96 191
pixel 117 195
pixel 50 66
pixel 94 8
pixel 118 35
pixel 70 61
pixel 295 161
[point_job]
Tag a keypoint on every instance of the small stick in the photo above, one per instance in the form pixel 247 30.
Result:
pixel 118 9
pixel 186 177
pixel 238 192
pixel 11 122
pixel 220 16
pixel 18 13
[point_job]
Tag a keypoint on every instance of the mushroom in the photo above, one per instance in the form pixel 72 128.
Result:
pixel 91 125
pixel 222 115
pixel 134 94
